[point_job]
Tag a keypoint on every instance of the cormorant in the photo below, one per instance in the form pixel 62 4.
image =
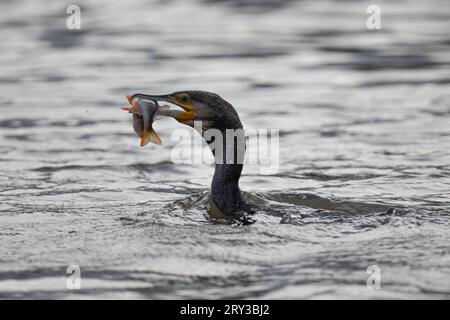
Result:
pixel 215 115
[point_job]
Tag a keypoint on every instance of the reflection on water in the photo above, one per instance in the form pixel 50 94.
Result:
pixel 364 159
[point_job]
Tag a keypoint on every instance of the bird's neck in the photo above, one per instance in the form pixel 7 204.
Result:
pixel 225 193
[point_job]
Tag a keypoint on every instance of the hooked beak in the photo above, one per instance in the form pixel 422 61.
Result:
pixel 185 117
pixel 163 97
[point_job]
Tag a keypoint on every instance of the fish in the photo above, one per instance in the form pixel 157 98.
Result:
pixel 144 113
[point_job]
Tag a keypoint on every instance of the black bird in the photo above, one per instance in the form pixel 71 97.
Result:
pixel 219 124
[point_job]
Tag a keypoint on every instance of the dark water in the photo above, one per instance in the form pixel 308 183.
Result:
pixel 364 119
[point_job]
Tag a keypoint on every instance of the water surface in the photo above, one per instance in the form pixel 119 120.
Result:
pixel 364 175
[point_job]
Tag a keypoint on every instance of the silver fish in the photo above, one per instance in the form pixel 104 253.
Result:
pixel 144 112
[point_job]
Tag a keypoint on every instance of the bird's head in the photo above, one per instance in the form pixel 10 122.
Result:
pixel 209 108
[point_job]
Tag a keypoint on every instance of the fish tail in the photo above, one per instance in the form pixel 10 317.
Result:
pixel 150 136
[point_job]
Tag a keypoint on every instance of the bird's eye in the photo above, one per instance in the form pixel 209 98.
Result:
pixel 184 98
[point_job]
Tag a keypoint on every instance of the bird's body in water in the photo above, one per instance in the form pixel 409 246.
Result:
pixel 219 124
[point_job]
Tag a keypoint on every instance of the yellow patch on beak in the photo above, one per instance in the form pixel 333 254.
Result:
pixel 185 117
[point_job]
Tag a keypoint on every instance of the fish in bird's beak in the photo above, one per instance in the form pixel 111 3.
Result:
pixel 180 99
pixel 144 112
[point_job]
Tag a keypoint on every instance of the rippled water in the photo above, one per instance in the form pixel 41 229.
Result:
pixel 364 177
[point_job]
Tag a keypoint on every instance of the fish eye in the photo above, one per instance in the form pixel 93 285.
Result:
pixel 184 98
